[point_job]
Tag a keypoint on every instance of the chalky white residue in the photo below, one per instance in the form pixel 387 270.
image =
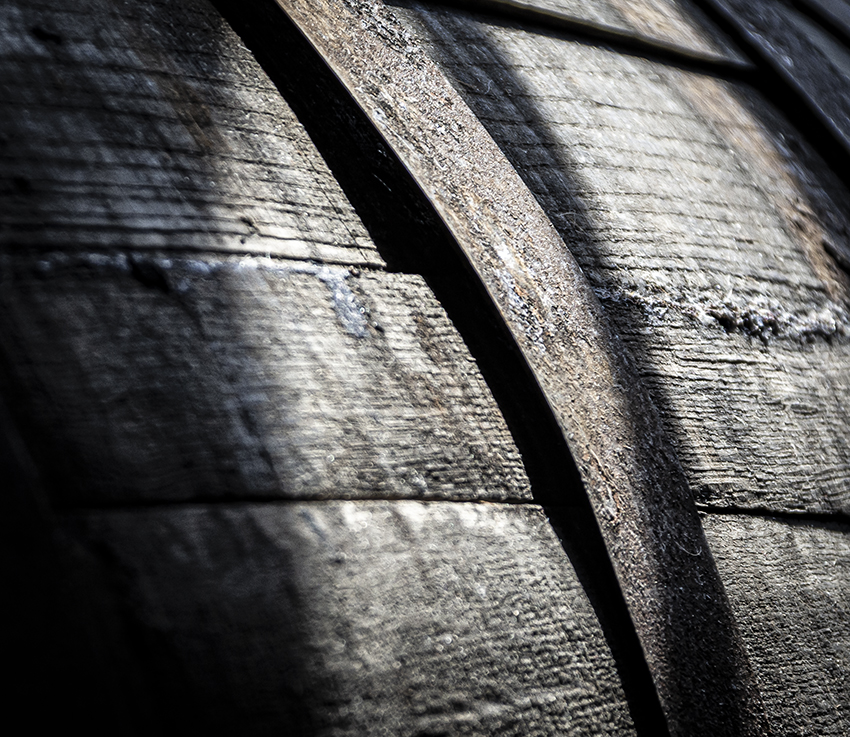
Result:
pixel 350 313
pixel 756 316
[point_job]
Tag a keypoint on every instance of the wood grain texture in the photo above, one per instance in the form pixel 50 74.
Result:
pixel 639 493
pixel 351 618
pixel 679 21
pixel 143 379
pixel 709 231
pixel 792 600
pixel 151 125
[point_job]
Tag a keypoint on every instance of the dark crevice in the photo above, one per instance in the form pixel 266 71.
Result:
pixel 803 517
pixel 412 238
pixel 628 42
pixel 785 96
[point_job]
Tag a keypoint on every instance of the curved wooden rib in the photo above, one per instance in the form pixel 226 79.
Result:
pixel 728 60
pixel 637 489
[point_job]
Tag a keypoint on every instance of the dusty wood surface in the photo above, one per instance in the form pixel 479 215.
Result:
pixel 150 124
pixel 792 601
pixel 703 224
pixel 707 229
pixel 813 62
pixel 145 379
pixel 639 493
pixel 350 618
pixel 679 21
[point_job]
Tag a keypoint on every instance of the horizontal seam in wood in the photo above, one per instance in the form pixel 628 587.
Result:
pixel 840 518
pixel 141 252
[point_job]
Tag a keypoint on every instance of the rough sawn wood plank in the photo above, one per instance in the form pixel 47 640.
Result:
pixel 143 379
pixel 676 26
pixel 792 600
pixel 351 618
pixel 151 125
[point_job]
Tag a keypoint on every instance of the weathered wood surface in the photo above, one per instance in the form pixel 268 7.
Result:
pixel 707 229
pixel 349 618
pixel 143 379
pixel 150 125
pixel 812 62
pixel 791 596
pixel 638 490
pixel 669 26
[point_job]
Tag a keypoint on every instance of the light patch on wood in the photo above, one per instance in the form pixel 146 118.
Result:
pixel 152 379
pixel 671 22
pixel 352 616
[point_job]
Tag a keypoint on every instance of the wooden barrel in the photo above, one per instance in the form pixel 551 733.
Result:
pixel 465 368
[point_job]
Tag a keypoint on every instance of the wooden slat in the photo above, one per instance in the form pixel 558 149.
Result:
pixel 151 125
pixel 679 21
pixel 144 379
pixel 813 63
pixel 639 492
pixel 655 28
pixel 709 231
pixel 350 618
pixel 792 602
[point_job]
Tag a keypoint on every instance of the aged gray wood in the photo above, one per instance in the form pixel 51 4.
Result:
pixel 150 124
pixel 707 228
pixel 792 601
pixel 145 379
pixel 636 486
pixel 352 618
pixel 812 62
pixel 679 21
